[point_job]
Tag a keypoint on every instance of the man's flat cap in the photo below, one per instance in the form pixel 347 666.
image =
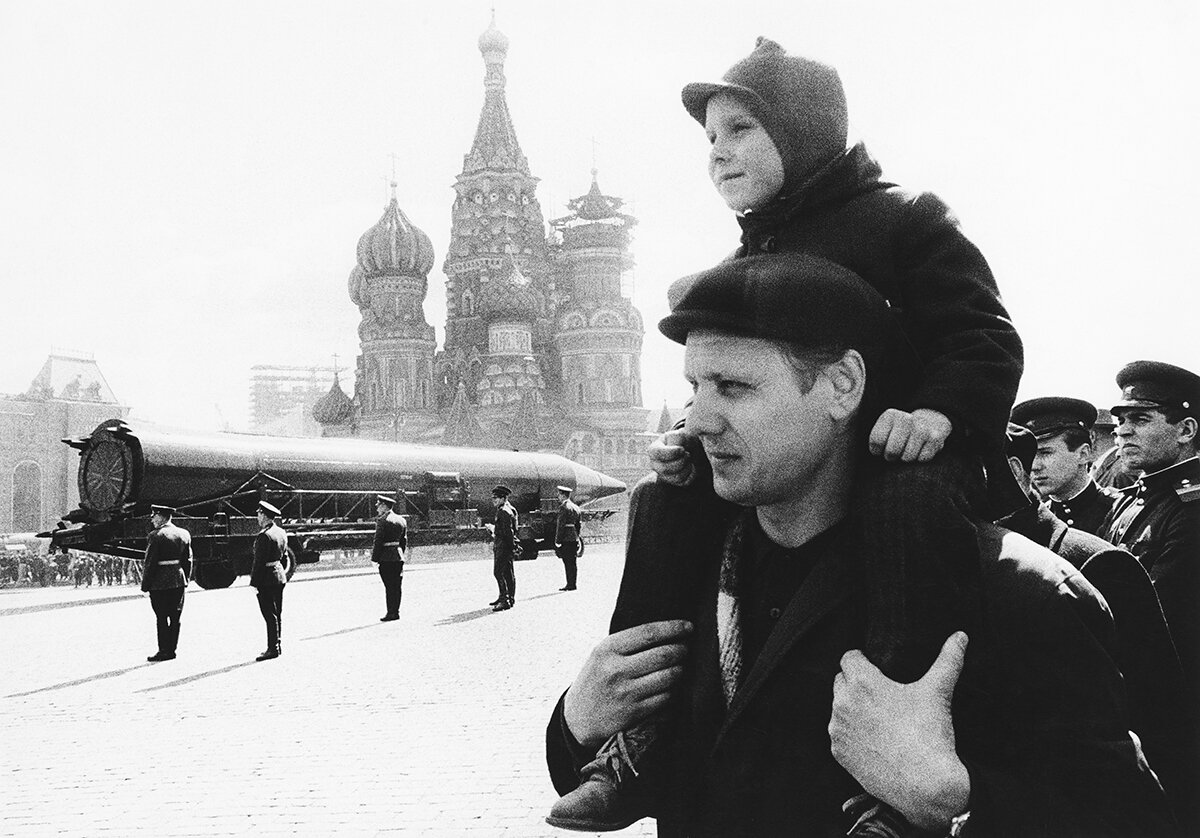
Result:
pixel 1157 385
pixel 162 510
pixel 1054 414
pixel 501 491
pixel 388 499
pixel 794 297
pixel 268 509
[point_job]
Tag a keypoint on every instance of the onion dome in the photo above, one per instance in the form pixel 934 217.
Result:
pixel 335 407
pixel 395 246
pixel 493 40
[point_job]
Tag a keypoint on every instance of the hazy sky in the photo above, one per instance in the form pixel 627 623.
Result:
pixel 182 185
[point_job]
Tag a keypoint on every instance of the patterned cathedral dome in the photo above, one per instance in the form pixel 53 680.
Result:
pixel 395 246
pixel 334 407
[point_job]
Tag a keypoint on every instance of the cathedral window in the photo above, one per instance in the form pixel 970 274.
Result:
pixel 579 393
pixel 468 303
pixel 477 197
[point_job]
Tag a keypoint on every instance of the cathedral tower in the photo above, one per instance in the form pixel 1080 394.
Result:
pixel 393 394
pixel 497 272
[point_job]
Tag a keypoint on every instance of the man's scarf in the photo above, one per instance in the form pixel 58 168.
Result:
pixel 729 625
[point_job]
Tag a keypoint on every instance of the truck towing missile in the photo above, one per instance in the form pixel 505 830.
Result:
pixel 325 489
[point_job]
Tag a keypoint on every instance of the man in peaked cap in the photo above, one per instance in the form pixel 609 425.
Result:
pixel 268 575
pixel 1158 518
pixel 505 546
pixel 165 576
pixel 778 719
pixel 1061 468
pixel 391 539
pixel 566 536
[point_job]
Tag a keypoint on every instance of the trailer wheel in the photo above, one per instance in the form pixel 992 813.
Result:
pixel 289 564
pixel 212 575
pixel 579 549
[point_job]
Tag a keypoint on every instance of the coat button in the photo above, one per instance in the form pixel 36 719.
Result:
pixel 768 245
pixel 774 613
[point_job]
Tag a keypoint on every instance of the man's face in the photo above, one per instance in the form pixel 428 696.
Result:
pixel 497 501
pixel 381 508
pixel 157 520
pixel 1146 440
pixel 263 519
pixel 743 162
pixel 764 436
pixel 1056 467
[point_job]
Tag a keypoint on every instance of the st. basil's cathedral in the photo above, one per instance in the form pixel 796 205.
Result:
pixel 543 346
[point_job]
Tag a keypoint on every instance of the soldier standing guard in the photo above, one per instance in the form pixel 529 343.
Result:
pixel 391 539
pixel 1061 467
pixel 269 575
pixel 1158 520
pixel 504 549
pixel 165 577
pixel 566 536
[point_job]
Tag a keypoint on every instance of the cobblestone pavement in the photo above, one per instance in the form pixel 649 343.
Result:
pixel 428 726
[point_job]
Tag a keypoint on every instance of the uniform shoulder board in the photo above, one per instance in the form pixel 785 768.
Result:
pixel 1188 490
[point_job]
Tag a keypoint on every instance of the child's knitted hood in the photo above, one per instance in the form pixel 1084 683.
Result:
pixel 799 101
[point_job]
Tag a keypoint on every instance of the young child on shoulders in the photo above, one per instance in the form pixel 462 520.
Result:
pixel 778 125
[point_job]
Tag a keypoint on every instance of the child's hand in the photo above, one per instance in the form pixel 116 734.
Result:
pixel 910 437
pixel 670 460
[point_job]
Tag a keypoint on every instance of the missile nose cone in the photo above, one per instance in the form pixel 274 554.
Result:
pixel 592 485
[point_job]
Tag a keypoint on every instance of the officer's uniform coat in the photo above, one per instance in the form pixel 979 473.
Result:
pixel 1088 509
pixel 1158 520
pixel 168 558
pixel 391 538
pixel 270 558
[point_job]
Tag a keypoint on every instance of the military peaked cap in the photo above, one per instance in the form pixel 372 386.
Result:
pixel 1054 414
pixel 388 499
pixel 162 510
pixel 566 489
pixel 1158 385
pixel 268 509
pixel 501 491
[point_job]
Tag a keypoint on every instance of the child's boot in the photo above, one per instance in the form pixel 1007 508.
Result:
pixel 607 798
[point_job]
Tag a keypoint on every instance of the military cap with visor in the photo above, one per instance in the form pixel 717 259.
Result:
pixel 388 499
pixel 159 509
pixel 268 509
pixel 501 491
pixel 1159 386
pixel 1051 415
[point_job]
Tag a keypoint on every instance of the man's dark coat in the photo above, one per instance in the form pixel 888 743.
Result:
pixel 1039 710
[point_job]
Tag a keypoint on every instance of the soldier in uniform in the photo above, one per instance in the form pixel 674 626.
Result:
pixel 391 539
pixel 165 577
pixel 504 549
pixel 1061 467
pixel 269 575
pixel 566 536
pixel 1158 517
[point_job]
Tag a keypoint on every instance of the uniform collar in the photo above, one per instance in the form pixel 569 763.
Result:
pixel 1186 471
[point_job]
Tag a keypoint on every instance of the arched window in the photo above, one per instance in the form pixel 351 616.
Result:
pixel 27 497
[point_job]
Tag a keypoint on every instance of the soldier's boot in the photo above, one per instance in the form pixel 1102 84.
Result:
pixel 609 796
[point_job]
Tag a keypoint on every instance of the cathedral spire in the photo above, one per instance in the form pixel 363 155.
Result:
pixel 495 146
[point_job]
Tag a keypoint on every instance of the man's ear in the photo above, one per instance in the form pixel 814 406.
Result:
pixel 1085 454
pixel 1187 431
pixel 848 375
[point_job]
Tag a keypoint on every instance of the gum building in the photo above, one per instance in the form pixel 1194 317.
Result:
pixel 543 344
pixel 68 397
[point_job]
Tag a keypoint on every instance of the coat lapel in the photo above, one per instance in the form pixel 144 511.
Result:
pixel 827 586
